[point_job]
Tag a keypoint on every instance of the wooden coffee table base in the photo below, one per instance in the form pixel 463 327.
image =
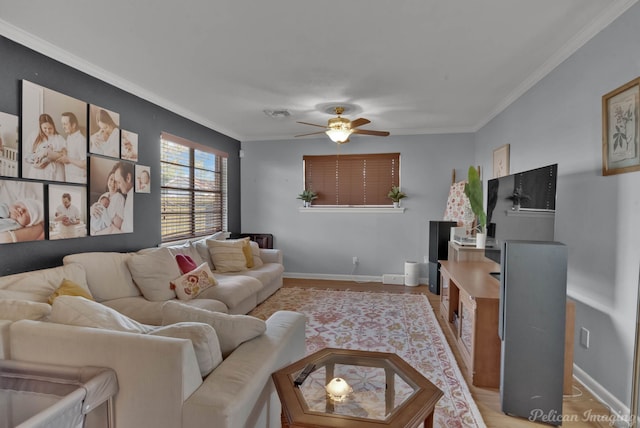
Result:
pixel 404 397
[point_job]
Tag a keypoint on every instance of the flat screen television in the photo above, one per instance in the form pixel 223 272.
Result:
pixel 521 207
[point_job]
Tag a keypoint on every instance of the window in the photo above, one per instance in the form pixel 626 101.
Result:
pixel 193 189
pixel 348 180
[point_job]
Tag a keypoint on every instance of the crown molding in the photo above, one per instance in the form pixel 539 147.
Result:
pixel 44 47
pixel 575 43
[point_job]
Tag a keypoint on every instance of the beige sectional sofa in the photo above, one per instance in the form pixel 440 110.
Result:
pixel 160 373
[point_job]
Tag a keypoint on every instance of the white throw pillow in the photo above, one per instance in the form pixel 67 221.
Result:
pixel 204 340
pixel 188 249
pixel 153 271
pixel 232 330
pixel 78 311
pixel 189 285
pixel 227 256
pixel 14 310
pixel 107 274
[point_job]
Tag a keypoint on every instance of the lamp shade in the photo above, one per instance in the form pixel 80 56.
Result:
pixel 338 389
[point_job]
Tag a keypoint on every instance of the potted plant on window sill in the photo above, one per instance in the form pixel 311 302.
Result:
pixel 473 190
pixel 396 195
pixel 307 196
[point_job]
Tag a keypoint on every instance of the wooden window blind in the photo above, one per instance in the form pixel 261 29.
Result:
pixel 193 189
pixel 352 180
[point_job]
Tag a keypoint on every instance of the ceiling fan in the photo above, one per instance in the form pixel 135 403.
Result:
pixel 340 128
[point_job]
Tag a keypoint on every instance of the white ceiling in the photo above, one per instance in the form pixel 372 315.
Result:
pixel 410 66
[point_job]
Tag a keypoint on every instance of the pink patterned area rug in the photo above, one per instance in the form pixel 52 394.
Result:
pixel 404 324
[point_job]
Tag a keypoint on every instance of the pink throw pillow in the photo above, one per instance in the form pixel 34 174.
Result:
pixel 185 263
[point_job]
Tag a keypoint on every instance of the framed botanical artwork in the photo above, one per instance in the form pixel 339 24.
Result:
pixel 9 137
pixel 620 129
pixel 104 131
pixel 67 211
pixel 501 161
pixel 54 139
pixel 143 179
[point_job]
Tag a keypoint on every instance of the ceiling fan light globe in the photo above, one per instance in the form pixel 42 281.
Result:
pixel 339 135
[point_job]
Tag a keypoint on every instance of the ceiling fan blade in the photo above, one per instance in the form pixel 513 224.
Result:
pixel 312 124
pixel 369 132
pixel 311 133
pixel 359 122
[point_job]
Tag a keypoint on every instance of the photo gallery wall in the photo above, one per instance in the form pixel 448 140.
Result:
pixel 70 171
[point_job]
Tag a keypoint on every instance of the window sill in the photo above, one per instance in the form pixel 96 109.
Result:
pixel 345 209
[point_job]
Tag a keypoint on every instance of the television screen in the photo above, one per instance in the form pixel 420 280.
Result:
pixel 521 207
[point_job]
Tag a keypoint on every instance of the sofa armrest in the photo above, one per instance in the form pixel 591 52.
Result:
pixel 240 391
pixel 156 374
pixel 271 255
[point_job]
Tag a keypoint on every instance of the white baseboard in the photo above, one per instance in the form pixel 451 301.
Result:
pixel 338 277
pixel 619 411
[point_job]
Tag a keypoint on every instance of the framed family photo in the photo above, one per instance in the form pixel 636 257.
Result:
pixel 620 129
pixel 67 211
pixel 54 141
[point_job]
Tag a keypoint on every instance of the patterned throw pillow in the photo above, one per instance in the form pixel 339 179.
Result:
pixel 193 283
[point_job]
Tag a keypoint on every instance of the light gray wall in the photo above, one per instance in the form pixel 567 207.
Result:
pixel 559 120
pixel 324 243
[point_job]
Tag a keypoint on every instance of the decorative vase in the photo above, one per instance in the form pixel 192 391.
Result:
pixel 481 239
pixel 396 204
pixel 307 204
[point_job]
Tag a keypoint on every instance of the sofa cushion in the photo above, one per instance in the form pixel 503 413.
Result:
pixel 202 249
pixel 69 288
pixel 78 311
pixel 189 285
pixel 38 285
pixel 186 249
pixel 204 340
pixel 14 310
pixel 232 330
pixel 233 289
pixel 107 274
pixel 227 256
pixel 153 271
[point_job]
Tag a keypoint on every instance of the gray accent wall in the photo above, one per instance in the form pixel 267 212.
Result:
pixel 559 121
pixel 324 243
pixel 137 115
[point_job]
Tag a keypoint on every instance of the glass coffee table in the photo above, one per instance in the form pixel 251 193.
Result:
pixel 374 389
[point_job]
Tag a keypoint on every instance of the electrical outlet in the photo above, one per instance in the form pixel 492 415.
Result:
pixel 426 259
pixel 584 337
pixel 355 260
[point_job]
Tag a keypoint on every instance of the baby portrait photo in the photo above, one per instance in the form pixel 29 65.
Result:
pixel 21 211
pixel 111 191
pixel 67 211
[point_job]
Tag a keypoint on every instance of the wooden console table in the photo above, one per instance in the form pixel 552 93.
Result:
pixel 469 303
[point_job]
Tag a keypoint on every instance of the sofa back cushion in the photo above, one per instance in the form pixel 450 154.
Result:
pixel 153 271
pixel 78 311
pixel 232 330
pixel 107 274
pixel 15 310
pixel 203 338
pixel 38 285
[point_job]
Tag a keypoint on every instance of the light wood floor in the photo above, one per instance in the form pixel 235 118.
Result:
pixel 579 410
